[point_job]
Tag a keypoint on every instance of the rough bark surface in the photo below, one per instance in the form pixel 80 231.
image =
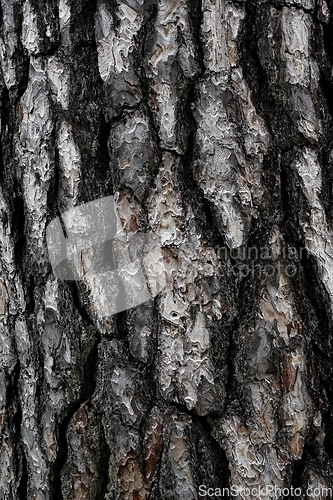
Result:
pixel 211 123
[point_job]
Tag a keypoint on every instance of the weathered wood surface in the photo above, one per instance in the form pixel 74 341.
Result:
pixel 211 124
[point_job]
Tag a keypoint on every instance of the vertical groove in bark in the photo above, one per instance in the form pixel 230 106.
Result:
pixel 210 122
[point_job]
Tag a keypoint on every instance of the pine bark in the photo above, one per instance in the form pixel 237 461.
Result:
pixel 210 122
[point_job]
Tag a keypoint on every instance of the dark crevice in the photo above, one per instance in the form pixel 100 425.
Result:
pixel 316 295
pixel 47 15
pixel 193 195
pixel 24 80
pixel 62 451
pixel 103 172
pixel 85 45
pixel 119 114
pixel 51 51
pixel 210 457
pixel 88 386
pixel 6 145
pixel 122 328
pixel 328 43
pixel 299 476
pixel 90 373
pixel 145 90
pixel 2 167
pixel 196 14
pixel 15 411
pixel 328 423
pixel 253 71
pixel 297 480
pixel 326 163
pixel 148 27
pixel 5 108
pixel 30 294
pixel 212 463
pixel 325 51
pixel 73 288
pixel 203 419
pixel 21 56
pixel 53 192
pixel 22 490
pixel 231 383
pixel 285 191
pixel 82 27
pixel 314 288
pixel 269 95
pixel 89 128
pixel 103 468
pixel 18 226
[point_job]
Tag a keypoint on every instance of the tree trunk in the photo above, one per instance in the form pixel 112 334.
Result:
pixel 210 122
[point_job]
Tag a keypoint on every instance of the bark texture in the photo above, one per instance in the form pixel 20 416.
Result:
pixel 211 123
